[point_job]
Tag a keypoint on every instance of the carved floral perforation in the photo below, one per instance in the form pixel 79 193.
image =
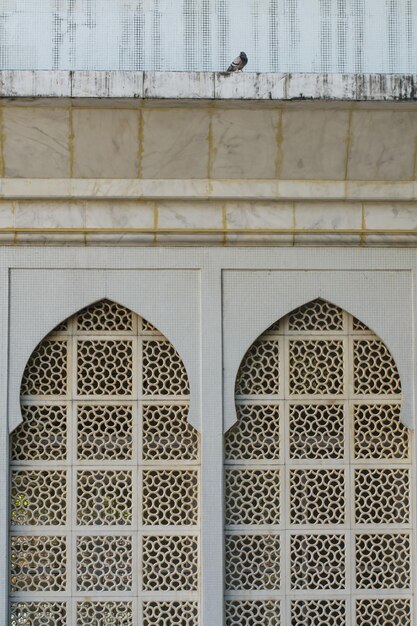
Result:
pixel 38 563
pixel 104 563
pixel 38 498
pixel 43 434
pixel 383 612
pixel 38 613
pixel 170 614
pixel 47 369
pixel 316 367
pixel 105 316
pixel 170 563
pixel 104 367
pixel 104 497
pixel 318 613
pixel 170 497
pixel 259 372
pixel 104 614
pixel 253 562
pixel 256 435
pixel 318 315
pixel 259 612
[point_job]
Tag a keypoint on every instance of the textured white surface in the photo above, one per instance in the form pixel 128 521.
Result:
pixel 277 35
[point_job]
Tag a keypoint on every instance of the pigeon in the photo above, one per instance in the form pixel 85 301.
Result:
pixel 239 63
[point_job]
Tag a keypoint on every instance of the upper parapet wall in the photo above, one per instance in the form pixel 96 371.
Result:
pixel 207 86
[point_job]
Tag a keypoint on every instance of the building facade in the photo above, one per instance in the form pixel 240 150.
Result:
pixel 208 348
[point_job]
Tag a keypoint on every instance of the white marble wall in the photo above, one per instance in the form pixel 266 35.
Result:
pixel 180 173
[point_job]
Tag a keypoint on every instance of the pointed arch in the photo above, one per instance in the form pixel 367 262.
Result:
pixel 167 299
pixel 261 298
pixel 104 473
pixel 318 475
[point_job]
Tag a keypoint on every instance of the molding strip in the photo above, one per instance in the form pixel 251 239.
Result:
pixel 205 189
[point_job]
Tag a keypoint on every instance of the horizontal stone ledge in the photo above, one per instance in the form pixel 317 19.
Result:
pixel 209 236
pixel 207 85
pixel 204 189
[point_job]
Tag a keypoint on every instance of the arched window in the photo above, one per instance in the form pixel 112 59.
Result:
pixel 104 479
pixel 317 479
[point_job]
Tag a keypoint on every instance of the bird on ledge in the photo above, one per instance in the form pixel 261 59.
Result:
pixel 239 63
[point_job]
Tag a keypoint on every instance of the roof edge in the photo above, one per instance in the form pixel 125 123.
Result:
pixel 207 85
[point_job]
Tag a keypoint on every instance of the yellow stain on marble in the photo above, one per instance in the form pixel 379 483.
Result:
pixel 2 164
pixel 155 224
pixel 140 141
pixel 224 224
pixel 362 236
pixel 210 144
pixel 71 141
pixel 348 143
pixel 279 139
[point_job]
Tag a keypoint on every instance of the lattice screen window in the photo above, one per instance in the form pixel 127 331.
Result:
pixel 104 480
pixel 318 479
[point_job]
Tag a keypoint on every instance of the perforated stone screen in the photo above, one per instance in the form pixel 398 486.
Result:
pixel 205 35
pixel 104 479
pixel 318 482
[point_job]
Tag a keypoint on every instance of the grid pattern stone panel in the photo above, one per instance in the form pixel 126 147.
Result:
pixel 382 496
pixel 379 434
pixel 316 367
pixel 104 480
pixel 163 371
pixel 104 563
pixel 317 496
pixel 333 534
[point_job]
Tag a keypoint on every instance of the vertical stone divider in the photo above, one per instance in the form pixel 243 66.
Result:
pixel 212 519
pixel 4 443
